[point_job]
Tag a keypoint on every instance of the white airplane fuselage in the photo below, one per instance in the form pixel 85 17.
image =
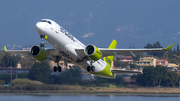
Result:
pixel 65 44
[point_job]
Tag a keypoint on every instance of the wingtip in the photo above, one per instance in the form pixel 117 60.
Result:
pixel 169 47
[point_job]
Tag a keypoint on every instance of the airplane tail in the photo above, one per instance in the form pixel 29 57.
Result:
pixel 109 59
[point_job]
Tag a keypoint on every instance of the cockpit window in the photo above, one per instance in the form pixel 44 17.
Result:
pixel 46 21
pixel 49 22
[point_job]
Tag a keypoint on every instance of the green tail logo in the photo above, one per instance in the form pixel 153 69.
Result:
pixel 109 59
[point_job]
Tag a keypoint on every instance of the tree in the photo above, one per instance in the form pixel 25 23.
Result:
pixel 9 60
pixel 40 72
pixel 178 51
pixel 177 47
pixel 69 76
pixel 134 66
pixel 165 55
pixel 156 76
pixel 173 78
pixel 118 63
pixel 170 53
pixel 155 45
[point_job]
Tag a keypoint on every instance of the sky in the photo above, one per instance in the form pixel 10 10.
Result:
pixel 95 22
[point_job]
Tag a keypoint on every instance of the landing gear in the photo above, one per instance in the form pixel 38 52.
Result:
pixel 42 44
pixel 57 68
pixel 43 39
pixel 90 68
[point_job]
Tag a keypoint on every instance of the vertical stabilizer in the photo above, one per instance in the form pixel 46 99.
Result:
pixel 109 59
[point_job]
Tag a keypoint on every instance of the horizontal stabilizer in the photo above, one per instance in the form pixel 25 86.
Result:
pixel 118 71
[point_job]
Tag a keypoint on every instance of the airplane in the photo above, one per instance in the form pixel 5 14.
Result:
pixel 96 61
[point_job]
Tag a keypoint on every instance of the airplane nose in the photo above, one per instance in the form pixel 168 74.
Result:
pixel 40 27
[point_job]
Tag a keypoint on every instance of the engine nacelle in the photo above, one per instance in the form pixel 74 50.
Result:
pixel 93 52
pixel 38 53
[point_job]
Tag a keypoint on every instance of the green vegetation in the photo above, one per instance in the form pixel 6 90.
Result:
pixel 118 63
pixel 70 76
pixel 7 77
pixel 157 76
pixel 40 72
pixel 73 76
pixel 155 45
pixel 11 60
pixel 8 60
pixel 25 82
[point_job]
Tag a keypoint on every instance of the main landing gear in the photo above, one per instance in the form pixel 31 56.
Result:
pixel 43 39
pixel 57 68
pixel 90 68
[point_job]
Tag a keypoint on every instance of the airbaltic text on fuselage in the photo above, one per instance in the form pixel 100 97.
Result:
pixel 67 34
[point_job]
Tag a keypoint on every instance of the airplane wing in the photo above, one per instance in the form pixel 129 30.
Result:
pixel 118 71
pixel 48 51
pixel 116 52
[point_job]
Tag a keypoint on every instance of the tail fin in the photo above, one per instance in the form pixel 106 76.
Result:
pixel 109 59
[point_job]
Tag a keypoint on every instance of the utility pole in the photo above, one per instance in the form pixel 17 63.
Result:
pixel 11 70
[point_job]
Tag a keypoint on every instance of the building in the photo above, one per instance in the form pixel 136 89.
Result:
pixel 88 77
pixel 62 64
pixel 172 66
pixel 13 71
pixel 161 62
pixel 146 61
pixel 19 65
pixel 127 59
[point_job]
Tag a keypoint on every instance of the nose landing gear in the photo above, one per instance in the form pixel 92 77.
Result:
pixel 43 39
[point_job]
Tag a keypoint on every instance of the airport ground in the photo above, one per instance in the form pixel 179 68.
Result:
pixel 81 89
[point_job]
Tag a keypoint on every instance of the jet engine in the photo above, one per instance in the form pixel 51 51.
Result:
pixel 38 53
pixel 93 52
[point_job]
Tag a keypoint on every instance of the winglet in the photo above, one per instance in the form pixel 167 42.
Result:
pixel 169 47
pixel 5 48
pixel 113 45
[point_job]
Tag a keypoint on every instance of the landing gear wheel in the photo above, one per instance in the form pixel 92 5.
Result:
pixel 42 44
pixel 59 68
pixel 55 69
pixel 88 68
pixel 93 68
